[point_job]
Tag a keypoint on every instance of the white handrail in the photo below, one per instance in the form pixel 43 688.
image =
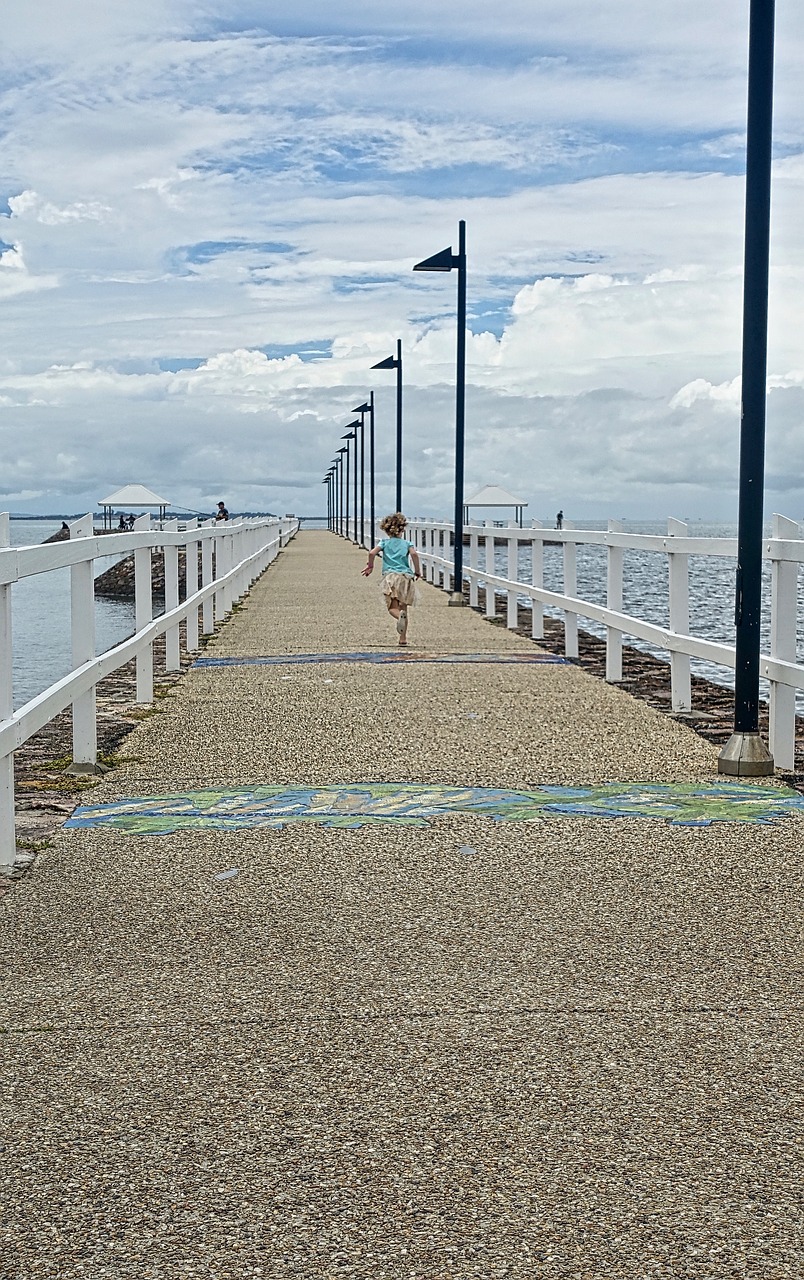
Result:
pixel 783 550
pixel 233 557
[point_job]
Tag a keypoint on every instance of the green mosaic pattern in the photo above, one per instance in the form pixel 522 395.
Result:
pixel 356 805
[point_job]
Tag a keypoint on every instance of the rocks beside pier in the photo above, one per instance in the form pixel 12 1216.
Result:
pixel 117 583
pixel 61 535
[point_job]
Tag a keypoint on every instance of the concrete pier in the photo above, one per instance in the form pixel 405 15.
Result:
pixel 403 968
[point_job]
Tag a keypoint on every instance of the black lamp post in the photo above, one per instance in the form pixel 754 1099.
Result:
pixel 353 428
pixel 395 362
pixel 362 409
pixel 350 435
pixel 331 496
pixel 343 450
pixel 446 261
pixel 745 753
pixel 368 408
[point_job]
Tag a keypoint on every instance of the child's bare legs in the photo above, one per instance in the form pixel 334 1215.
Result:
pixel 399 612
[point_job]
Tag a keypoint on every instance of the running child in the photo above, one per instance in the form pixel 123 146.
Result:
pixel 400 569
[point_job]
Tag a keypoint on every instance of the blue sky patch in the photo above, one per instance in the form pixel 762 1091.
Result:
pixel 208 250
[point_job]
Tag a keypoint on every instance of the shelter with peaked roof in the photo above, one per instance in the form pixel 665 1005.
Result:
pixel 131 495
pixel 491 495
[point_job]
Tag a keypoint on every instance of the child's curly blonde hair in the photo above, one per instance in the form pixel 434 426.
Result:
pixel 394 525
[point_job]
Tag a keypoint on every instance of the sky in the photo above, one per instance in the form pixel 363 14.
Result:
pixel 209 215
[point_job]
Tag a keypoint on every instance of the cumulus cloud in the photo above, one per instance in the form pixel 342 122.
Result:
pixel 30 204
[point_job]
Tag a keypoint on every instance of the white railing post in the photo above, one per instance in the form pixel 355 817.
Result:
pixel 784 608
pixel 474 543
pixel 570 589
pixel 432 533
pixel 512 607
pixel 226 565
pixel 257 535
pixel 143 612
pixel 172 645
pixel 240 547
pixel 82 631
pixel 219 567
pixel 8 841
pixel 207 607
pixel 614 601
pixel 190 588
pixel 488 565
pixel 537 580
pixel 679 599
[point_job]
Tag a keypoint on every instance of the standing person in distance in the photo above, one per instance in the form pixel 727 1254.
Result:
pixel 400 569
pixel 221 513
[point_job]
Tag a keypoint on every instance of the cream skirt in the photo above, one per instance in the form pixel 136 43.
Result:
pixel 401 587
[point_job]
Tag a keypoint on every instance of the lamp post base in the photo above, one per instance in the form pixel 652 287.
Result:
pixel 456 600
pixel 745 756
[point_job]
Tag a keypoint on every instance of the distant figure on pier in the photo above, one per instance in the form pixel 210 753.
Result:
pixel 221 513
pixel 122 524
pixel 560 520
pixel 131 521
pixel 400 569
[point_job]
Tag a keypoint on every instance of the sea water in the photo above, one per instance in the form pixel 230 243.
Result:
pixel 40 617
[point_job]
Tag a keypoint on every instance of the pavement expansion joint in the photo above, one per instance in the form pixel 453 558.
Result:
pixel 616 1010
pixel 415 804
pixel 382 657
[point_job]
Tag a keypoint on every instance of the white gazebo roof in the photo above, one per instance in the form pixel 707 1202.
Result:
pixel 493 496
pixel 133 495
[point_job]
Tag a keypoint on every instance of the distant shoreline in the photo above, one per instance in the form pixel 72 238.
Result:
pixel 169 515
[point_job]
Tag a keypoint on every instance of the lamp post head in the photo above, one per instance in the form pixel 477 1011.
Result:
pixel 354 426
pixel 350 435
pixel 365 407
pixel 443 261
pixel 390 362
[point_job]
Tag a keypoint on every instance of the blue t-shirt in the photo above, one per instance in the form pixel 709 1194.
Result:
pixel 395 555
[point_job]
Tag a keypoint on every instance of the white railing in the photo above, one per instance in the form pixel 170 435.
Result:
pixel 221 563
pixel 784 550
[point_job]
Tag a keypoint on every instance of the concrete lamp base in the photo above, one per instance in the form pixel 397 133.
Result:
pixel 456 600
pixel 745 756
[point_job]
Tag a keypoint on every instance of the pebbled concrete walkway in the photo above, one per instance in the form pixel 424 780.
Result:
pixel 567 1048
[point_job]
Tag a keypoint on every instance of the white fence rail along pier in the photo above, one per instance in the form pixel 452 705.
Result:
pixel 221 563
pixel 783 551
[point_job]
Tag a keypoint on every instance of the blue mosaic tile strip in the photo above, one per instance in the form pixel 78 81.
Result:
pixel 355 805
pixel 393 656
